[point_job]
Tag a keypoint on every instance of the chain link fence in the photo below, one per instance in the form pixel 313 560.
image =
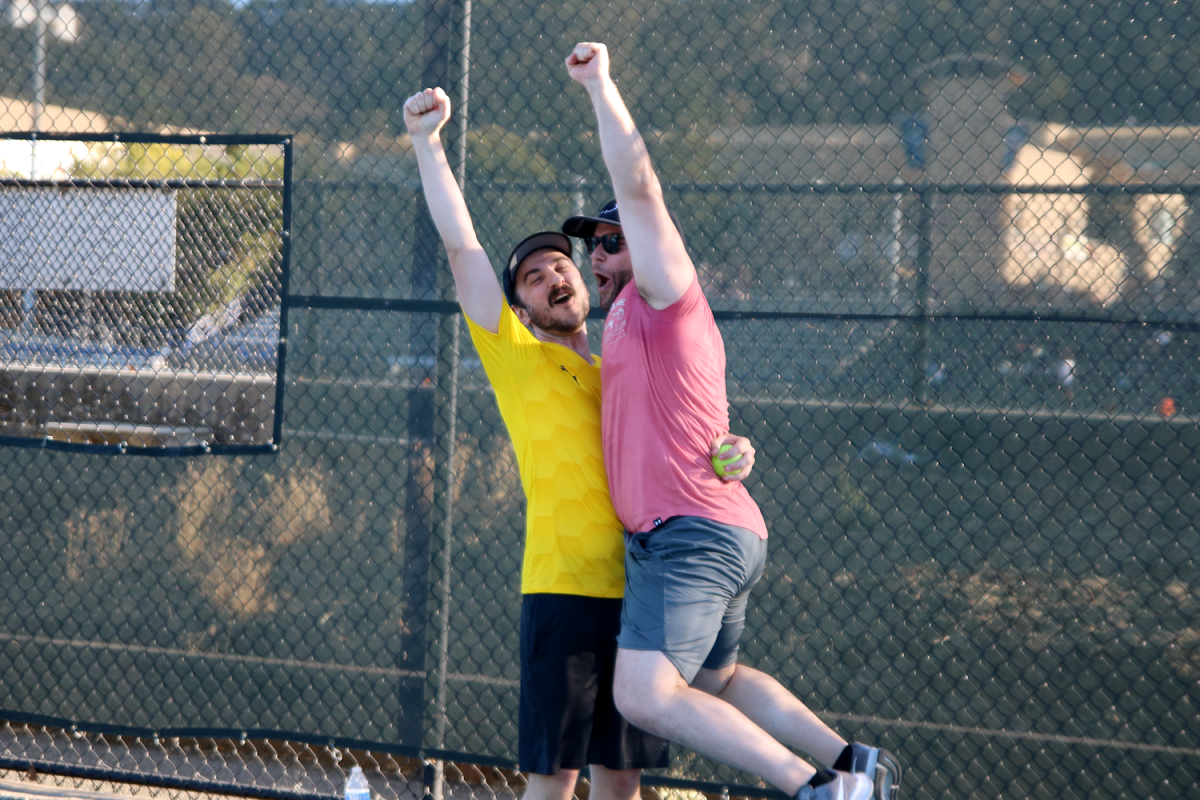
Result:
pixel 142 294
pixel 952 250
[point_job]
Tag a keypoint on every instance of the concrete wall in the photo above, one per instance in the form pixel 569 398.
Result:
pixel 142 408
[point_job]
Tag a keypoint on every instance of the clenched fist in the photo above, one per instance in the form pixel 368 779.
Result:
pixel 426 112
pixel 588 62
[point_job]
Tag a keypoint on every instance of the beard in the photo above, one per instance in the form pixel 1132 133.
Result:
pixel 564 319
pixel 615 284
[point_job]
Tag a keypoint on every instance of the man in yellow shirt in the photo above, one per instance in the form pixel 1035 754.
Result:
pixel 535 350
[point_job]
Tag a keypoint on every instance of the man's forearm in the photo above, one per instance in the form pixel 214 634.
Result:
pixel 624 150
pixel 479 292
pixel 661 266
pixel 442 195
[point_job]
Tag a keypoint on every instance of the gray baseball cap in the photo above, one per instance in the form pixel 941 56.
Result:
pixel 545 240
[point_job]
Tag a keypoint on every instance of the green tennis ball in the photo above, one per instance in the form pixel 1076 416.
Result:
pixel 719 463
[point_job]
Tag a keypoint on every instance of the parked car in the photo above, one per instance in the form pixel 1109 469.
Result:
pixel 248 346
pixel 60 351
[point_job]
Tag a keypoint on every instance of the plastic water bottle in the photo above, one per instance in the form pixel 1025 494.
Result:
pixel 356 785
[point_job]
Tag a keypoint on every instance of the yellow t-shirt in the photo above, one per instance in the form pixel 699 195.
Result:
pixel 549 398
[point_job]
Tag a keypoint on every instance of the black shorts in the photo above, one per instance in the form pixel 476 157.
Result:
pixel 568 719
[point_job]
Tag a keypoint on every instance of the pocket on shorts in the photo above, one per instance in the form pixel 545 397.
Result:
pixel 637 546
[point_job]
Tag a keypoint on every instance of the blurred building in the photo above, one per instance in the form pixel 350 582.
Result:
pixel 54 160
pixel 1064 244
pixel 1105 246
pixel 968 143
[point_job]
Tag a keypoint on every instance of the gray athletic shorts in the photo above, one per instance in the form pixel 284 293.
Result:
pixel 686 586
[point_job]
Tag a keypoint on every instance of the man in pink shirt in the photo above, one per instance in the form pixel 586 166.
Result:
pixel 695 546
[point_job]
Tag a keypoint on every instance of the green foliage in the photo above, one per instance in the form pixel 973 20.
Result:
pixel 228 239
pixel 499 154
pixel 338 70
pixel 165 160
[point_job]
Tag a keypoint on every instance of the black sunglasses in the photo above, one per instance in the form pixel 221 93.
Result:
pixel 611 242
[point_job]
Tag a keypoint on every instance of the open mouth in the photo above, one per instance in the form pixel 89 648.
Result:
pixel 601 281
pixel 562 299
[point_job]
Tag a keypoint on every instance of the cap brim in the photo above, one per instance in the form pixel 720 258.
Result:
pixel 546 240
pixel 583 227
pixel 549 240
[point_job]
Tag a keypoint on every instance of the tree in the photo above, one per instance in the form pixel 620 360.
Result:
pixel 228 239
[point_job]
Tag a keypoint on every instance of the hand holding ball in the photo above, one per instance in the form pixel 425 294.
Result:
pixel 720 464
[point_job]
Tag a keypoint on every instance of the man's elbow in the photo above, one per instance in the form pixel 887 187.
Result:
pixel 644 191
pixel 643 187
pixel 456 251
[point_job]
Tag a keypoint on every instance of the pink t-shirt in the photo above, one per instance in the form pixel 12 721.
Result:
pixel 663 402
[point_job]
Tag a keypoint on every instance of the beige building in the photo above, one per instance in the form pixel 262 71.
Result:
pixel 45 160
pixel 988 248
pixel 1104 247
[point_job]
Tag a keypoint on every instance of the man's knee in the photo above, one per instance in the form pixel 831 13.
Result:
pixel 559 786
pixel 615 784
pixel 627 782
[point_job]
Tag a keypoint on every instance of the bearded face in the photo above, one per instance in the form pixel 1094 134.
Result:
pixel 552 293
pixel 612 271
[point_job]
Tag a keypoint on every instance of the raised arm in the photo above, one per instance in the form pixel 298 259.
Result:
pixel 661 265
pixel 479 293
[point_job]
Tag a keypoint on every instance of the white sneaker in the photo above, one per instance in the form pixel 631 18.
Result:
pixel 846 786
pixel 877 764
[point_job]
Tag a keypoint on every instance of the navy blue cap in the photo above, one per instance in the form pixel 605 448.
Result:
pixel 583 227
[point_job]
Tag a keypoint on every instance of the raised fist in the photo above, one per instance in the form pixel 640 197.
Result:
pixel 426 112
pixel 588 62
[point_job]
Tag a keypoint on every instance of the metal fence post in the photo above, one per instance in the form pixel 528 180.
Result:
pixel 446 406
pixel 924 262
